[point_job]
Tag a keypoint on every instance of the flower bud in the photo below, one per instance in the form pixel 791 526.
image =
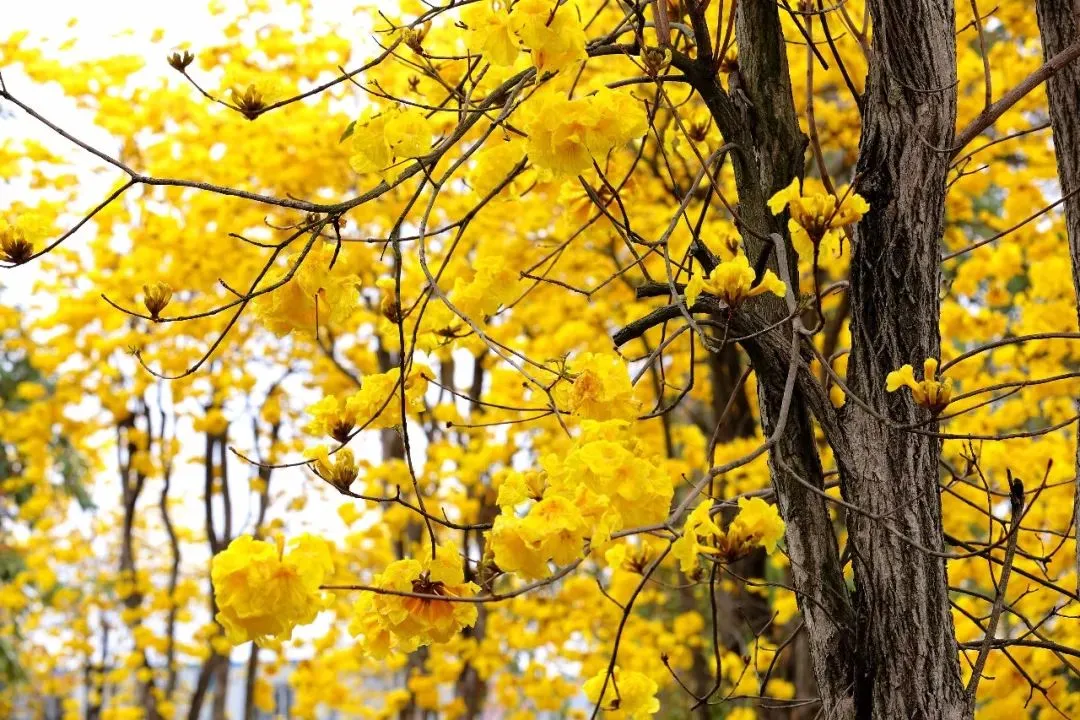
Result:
pixel 15 247
pixel 157 296
pixel 180 60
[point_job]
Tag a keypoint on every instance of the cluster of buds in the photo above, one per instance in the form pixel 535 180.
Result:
pixel 156 297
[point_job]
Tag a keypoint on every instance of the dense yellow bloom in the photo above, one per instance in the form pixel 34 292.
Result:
pixel 757 523
pixel 517 547
pixel 384 138
pixel 628 694
pixel 314 285
pixel 733 282
pixel 552 32
pixel 554 529
pixel 606 482
pixel 612 476
pixel 566 135
pixel 600 388
pixel 929 392
pixel 816 215
pixel 263 592
pixel 396 622
pixel 491 31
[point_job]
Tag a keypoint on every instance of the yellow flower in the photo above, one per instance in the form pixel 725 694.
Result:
pixel 517 547
pixel 757 523
pixel 16 247
pixel 553 33
pixel 376 405
pixel 263 592
pixel 628 694
pixel 156 297
pixel 612 476
pixel 491 32
pixel 563 528
pixel 733 282
pixel 382 139
pixel 566 135
pixel 698 536
pixel 340 471
pixel 314 286
pixel 600 389
pixel 517 487
pixel 930 392
pixel 554 529
pixel 816 215
pixel 396 622
pixel 333 418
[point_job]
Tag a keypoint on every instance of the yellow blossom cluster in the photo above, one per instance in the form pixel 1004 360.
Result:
pixel 374 406
pixel 567 135
pixel 263 591
pixel 605 482
pixel 500 30
pixel 817 216
pixel 624 694
pixel 757 524
pixel 734 281
pixel 387 617
pixel 599 388
pixel 307 289
pixel 384 138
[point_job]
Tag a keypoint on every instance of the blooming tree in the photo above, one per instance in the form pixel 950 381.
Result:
pixel 545 358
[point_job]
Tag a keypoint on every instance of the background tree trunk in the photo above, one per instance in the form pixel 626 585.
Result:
pixel 1059 26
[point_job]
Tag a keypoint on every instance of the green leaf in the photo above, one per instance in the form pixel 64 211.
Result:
pixel 10 670
pixel 348 131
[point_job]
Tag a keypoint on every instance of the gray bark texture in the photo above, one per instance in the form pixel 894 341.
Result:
pixel 906 661
pixel 1059 26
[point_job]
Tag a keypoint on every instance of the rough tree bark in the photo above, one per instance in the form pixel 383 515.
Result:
pixel 1059 25
pixel 769 149
pixel 906 660
pixel 777 145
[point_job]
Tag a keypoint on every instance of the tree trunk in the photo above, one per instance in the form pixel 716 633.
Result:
pixel 906 655
pixel 771 129
pixel 1059 25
